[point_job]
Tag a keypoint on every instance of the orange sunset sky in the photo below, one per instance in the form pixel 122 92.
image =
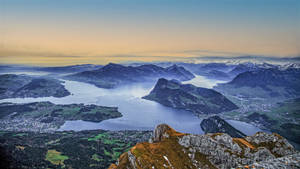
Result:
pixel 77 32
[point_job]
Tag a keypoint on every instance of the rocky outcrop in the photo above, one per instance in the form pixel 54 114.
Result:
pixel 171 149
pixel 188 97
pixel 162 131
pixel 286 162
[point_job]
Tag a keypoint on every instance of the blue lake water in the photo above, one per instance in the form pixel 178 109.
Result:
pixel 138 114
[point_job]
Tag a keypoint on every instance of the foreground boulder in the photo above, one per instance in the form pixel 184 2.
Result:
pixel 171 149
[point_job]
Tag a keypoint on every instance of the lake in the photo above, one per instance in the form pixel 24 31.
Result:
pixel 138 113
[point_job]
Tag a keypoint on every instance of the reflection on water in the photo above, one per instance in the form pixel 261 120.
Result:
pixel 138 114
pixel 244 127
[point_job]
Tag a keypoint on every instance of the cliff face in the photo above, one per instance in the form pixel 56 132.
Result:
pixel 215 124
pixel 171 149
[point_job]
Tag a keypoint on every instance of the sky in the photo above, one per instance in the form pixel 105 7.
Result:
pixel 65 32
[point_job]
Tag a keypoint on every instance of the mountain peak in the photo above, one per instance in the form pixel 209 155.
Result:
pixel 174 66
pixel 172 149
pixel 112 75
pixel 163 131
pixel 113 65
pixel 162 81
pixel 189 97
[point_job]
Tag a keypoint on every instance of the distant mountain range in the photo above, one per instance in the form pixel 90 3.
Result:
pixel 70 69
pixel 113 75
pixel 13 86
pixel 188 97
pixel 245 67
pixel 228 71
pixel 54 69
pixel 265 83
pixel 216 71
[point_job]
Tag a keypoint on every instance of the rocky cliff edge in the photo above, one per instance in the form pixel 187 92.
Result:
pixel 171 149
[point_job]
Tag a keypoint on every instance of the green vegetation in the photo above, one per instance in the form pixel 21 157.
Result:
pixel 55 157
pixel 97 137
pixel 67 149
pixel 21 134
pixel 105 139
pixel 96 157
pixel 286 119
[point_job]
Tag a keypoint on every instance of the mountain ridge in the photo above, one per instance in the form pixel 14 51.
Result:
pixel 14 86
pixel 198 100
pixel 272 83
pixel 113 75
pixel 215 124
pixel 171 149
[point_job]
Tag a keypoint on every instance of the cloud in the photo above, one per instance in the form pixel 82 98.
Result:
pixel 200 51
pixel 19 53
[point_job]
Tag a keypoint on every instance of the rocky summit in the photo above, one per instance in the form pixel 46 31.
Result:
pixel 171 149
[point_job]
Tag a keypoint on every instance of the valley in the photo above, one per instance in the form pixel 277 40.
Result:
pixel 149 84
pixel 282 118
pixel 94 148
pixel 131 109
pixel 130 104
